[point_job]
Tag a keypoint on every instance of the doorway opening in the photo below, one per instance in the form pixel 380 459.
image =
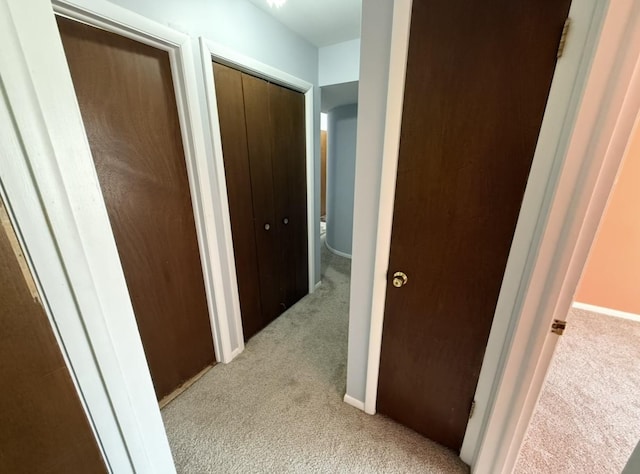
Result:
pixel 586 417
pixel 339 121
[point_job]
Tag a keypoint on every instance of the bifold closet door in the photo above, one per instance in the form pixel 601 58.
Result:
pixel 262 127
pixel 128 105
pixel 229 96
pixel 290 184
pixel 43 426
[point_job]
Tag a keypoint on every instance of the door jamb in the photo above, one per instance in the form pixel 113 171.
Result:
pixel 564 98
pixel 213 51
pixel 603 128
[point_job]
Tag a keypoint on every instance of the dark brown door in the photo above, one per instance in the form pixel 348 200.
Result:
pixel 43 427
pixel 290 191
pixel 128 106
pixel 478 77
pixel 257 118
pixel 236 165
pixel 262 127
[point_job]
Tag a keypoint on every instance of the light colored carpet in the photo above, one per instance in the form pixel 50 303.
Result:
pixel 278 407
pixel 588 416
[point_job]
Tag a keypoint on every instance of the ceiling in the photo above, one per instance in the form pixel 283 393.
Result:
pixel 321 22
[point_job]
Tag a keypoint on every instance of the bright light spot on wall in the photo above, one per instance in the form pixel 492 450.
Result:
pixel 276 3
pixel 323 122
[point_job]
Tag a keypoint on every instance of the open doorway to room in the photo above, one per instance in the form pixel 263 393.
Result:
pixel 586 419
pixel 339 104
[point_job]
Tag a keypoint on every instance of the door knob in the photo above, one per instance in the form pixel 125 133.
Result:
pixel 399 279
pixel 285 220
pixel 267 227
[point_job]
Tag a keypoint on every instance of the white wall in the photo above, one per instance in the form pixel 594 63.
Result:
pixel 243 27
pixel 237 24
pixel 339 63
pixel 377 17
pixel 341 168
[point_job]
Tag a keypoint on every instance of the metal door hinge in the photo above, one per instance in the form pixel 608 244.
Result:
pixel 472 409
pixel 558 327
pixel 563 37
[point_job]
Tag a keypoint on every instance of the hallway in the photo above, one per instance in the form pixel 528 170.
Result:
pixel 278 406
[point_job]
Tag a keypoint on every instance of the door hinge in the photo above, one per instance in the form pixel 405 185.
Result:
pixel 472 409
pixel 558 327
pixel 563 37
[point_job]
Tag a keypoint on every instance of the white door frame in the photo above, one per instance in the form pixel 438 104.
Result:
pixel 214 51
pixel 564 99
pixel 50 186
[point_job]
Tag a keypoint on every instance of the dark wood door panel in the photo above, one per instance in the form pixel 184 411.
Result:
pixel 44 427
pixel 478 78
pixel 233 132
pixel 289 175
pixel 257 116
pixel 128 105
pixel 297 162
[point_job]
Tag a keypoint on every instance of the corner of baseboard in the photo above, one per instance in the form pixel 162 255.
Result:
pixel 349 400
pixel 235 353
pixel 606 311
pixel 318 284
pixel 336 252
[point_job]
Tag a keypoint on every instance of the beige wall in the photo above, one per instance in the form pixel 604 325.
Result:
pixel 611 277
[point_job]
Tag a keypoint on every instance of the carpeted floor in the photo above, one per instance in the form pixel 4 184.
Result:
pixel 278 407
pixel 588 416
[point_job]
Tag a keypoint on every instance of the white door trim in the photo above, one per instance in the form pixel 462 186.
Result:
pixel 213 51
pixel 564 98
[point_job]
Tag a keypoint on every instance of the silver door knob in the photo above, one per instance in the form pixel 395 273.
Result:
pixel 399 279
pixel 267 227
pixel 285 220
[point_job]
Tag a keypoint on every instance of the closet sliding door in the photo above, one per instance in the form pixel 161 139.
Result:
pixel 128 106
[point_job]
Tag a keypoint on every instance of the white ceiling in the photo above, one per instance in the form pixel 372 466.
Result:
pixel 321 22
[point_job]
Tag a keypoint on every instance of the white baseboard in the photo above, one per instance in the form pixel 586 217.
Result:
pixel 337 252
pixel 607 311
pixel 235 353
pixel 318 285
pixel 349 400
